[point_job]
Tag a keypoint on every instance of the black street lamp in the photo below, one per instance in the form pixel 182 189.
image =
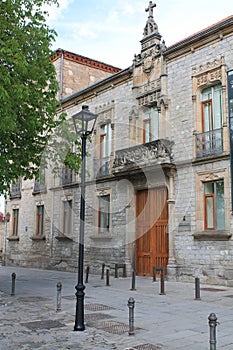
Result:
pixel 84 123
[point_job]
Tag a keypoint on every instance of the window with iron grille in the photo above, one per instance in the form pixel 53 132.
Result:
pixel 210 141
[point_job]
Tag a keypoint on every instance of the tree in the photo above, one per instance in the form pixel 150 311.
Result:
pixel 28 88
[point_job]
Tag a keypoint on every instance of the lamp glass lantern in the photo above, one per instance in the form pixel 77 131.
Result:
pixel 84 121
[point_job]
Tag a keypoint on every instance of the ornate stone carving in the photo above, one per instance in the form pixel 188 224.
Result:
pixel 151 153
pixel 151 26
pixel 208 73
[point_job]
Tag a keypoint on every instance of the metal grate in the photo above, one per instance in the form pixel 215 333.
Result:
pixel 209 289
pixel 32 299
pixel 111 327
pixel 44 324
pixel 97 307
pixel 96 316
pixel 146 347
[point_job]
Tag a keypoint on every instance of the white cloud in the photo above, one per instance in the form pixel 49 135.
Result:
pixel 56 12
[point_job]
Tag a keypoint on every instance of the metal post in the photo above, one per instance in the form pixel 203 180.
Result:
pixel 131 305
pixel 107 276
pixel 197 288
pixel 13 278
pixel 116 270
pixel 102 273
pixel 213 324
pixel 87 274
pixel 154 274
pixel 79 315
pixel 59 288
pixel 133 281
pixel 162 288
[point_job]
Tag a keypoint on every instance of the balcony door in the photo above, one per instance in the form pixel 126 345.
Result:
pixel 212 120
pixel 151 230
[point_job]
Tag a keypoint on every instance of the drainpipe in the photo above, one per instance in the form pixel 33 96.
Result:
pixel 61 75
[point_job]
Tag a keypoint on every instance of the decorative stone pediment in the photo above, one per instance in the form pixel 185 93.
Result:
pixel 141 156
pixel 207 73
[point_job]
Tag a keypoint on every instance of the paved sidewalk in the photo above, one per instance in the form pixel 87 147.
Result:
pixel 174 321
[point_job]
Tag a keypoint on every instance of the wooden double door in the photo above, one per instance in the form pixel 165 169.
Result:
pixel 151 230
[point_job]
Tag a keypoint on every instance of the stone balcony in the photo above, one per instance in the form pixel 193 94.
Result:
pixel 153 153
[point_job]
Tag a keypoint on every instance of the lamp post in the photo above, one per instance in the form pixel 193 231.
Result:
pixel 84 123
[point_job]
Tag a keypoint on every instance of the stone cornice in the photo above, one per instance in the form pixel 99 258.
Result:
pixel 215 32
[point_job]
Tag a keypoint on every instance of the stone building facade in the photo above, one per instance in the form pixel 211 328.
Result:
pixel 158 189
pixel 76 72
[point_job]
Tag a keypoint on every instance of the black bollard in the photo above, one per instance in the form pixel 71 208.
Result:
pixel 13 278
pixel 133 281
pixel 102 273
pixel 213 324
pixel 107 276
pixel 154 274
pixel 162 287
pixel 87 274
pixel 197 288
pixel 59 288
pixel 131 305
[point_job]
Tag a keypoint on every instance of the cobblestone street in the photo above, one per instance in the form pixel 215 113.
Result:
pixel 29 319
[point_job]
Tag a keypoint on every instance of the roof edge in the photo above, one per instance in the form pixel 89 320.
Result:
pixel 71 56
pixel 196 36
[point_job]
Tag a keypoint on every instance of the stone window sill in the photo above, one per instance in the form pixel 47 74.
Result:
pixel 62 237
pixel 220 235
pixel 13 238
pixel 38 238
pixel 101 237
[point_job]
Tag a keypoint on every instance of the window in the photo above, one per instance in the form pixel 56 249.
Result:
pixel 212 108
pixel 210 141
pixel 214 212
pixel 16 189
pixel 39 220
pixel 147 136
pixel 105 140
pixel 15 222
pixel 39 184
pixel 67 217
pixel 150 125
pixel 105 149
pixel 104 214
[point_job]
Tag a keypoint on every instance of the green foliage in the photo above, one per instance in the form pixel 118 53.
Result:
pixel 64 147
pixel 28 88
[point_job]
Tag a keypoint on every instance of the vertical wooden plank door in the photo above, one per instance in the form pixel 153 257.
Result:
pixel 151 230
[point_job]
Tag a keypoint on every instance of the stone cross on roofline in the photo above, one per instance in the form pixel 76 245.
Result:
pixel 150 8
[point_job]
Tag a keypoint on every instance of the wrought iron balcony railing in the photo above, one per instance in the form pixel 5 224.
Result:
pixel 102 167
pixel 209 143
pixel 15 189
pixel 148 154
pixel 66 176
pixel 39 186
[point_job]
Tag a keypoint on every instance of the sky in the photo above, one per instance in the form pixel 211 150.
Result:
pixel 110 30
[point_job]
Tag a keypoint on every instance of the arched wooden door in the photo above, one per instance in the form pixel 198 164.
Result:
pixel 151 230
